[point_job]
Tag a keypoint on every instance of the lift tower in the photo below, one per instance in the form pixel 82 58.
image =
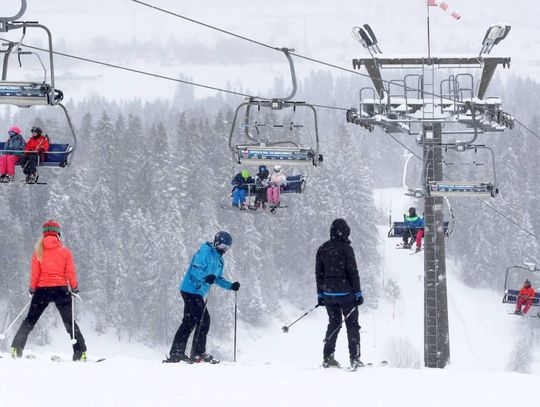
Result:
pixel 426 104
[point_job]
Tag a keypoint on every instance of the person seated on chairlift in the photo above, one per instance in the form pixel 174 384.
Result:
pixel 525 297
pixel 34 153
pixel 241 182
pixel 414 230
pixel 10 154
pixel 261 187
pixel 278 180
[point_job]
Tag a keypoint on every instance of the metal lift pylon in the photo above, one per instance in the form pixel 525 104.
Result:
pixel 423 110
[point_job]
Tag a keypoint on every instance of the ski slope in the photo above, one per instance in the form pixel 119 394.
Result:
pixel 277 369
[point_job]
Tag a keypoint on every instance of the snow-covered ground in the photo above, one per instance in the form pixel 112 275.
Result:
pixel 277 369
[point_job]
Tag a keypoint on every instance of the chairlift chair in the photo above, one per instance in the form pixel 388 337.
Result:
pixel 511 288
pixel 399 228
pixel 27 94
pixel 253 148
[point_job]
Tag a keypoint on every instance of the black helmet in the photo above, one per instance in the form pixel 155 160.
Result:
pixel 340 230
pixel 36 130
pixel 222 241
pixel 412 210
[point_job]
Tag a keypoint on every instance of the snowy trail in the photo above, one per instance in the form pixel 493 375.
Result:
pixel 125 381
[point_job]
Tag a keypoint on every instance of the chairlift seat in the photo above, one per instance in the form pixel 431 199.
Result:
pixel 398 229
pixel 472 189
pixel 511 297
pixel 25 94
pixel 256 155
pixel 57 156
pixel 295 184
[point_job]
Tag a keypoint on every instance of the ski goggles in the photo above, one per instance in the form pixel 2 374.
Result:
pixel 223 247
pixel 12 133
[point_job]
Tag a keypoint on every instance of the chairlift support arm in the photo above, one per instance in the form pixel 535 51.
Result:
pixel 5 21
pixel 25 25
pixel 268 103
pixel 468 147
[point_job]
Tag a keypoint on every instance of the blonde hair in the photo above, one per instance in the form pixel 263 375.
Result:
pixel 38 251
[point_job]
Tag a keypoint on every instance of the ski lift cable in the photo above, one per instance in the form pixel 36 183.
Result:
pixel 513 222
pixel 138 71
pixel 262 44
pixel 526 128
pixel 169 78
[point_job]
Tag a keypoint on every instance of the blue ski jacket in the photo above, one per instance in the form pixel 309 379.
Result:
pixel 241 183
pixel 414 222
pixel 205 262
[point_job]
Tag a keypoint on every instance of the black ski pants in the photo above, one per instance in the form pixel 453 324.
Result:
pixel 40 300
pixel 196 317
pixel 29 163
pixel 337 308
pixel 409 233
pixel 261 198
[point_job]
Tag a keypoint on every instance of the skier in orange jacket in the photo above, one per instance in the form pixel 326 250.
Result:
pixel 52 272
pixel 525 297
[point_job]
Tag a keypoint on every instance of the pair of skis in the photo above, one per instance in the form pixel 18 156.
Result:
pixel 382 363
pixel 400 246
pixel 58 358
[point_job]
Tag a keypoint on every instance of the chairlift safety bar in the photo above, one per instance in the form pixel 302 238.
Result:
pixel 256 155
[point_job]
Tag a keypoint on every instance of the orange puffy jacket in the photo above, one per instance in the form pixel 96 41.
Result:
pixel 526 293
pixel 56 267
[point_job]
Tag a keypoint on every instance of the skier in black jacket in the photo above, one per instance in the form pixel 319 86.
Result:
pixel 338 288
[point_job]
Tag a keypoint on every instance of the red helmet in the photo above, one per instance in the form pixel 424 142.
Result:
pixel 51 228
pixel 15 130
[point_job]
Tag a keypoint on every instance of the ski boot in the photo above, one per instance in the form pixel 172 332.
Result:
pixel 80 357
pixel 15 353
pixel 31 178
pixel 177 359
pixel 3 178
pixel 206 358
pixel 329 361
pixel 356 363
pixel 418 249
pixel 518 312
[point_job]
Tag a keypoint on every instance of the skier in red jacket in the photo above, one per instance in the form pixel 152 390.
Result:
pixel 525 297
pixel 34 151
pixel 52 271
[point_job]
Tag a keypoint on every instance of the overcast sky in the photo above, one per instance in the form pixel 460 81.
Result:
pixel 316 28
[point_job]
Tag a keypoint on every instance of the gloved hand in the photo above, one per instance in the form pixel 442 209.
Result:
pixel 235 286
pixel 359 298
pixel 31 291
pixel 75 290
pixel 320 299
pixel 210 279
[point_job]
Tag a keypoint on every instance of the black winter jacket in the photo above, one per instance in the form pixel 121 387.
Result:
pixel 335 264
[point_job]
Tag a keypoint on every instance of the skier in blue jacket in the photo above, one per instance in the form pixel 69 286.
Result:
pixel 414 229
pixel 206 268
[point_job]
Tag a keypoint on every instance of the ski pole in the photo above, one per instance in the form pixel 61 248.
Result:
pixel 3 334
pixel 74 295
pixel 198 328
pixel 285 328
pixel 339 326
pixel 235 319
